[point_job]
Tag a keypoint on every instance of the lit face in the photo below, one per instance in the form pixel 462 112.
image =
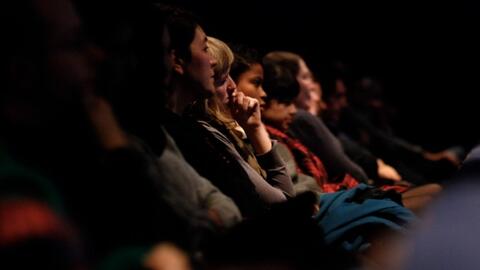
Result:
pixel 320 105
pixel 224 87
pixel 278 114
pixel 307 98
pixel 250 83
pixel 199 70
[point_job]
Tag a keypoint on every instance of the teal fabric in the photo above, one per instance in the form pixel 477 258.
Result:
pixel 346 221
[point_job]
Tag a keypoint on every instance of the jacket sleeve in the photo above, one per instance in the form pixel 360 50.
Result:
pixel 213 199
pixel 313 133
pixel 269 192
pixel 276 169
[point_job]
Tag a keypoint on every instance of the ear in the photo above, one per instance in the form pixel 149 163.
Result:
pixel 178 63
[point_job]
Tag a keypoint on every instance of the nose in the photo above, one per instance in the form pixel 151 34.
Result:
pixel 231 86
pixel 292 109
pixel 314 95
pixel 212 61
pixel 261 93
pixel 231 82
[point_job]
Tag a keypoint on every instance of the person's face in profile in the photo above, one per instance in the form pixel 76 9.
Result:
pixel 200 67
pixel 279 114
pixel 250 83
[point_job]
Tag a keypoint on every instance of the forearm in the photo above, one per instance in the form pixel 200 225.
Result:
pixel 259 139
pixel 222 208
pixel 277 174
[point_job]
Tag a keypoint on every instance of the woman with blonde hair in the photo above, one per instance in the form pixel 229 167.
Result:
pixel 231 127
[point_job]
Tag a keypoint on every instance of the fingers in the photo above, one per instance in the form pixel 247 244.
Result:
pixel 247 104
pixel 252 105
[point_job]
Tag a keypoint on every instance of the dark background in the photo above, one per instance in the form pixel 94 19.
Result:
pixel 426 54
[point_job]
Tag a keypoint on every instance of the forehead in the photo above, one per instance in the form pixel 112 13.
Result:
pixel 255 70
pixel 200 36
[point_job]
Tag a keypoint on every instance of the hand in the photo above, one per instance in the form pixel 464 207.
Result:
pixel 245 110
pixel 215 217
pixel 387 171
pixel 166 256
pixel 443 155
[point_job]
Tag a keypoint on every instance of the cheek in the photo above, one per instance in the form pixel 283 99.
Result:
pixel 284 115
pixel 205 60
pixel 221 91
pixel 275 115
pixel 252 91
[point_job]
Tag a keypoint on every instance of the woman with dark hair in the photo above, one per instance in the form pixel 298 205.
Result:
pixel 414 198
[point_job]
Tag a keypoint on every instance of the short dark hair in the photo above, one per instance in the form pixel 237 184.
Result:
pixel 181 25
pixel 280 81
pixel 132 77
pixel 245 57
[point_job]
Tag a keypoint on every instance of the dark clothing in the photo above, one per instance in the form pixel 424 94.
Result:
pixel 406 157
pixel 313 133
pixel 213 161
pixel 360 156
pixel 188 193
pixel 112 199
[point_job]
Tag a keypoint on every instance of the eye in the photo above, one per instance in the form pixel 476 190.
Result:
pixel 222 82
pixel 206 49
pixel 257 82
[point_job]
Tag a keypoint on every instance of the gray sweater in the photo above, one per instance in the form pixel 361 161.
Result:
pixel 189 193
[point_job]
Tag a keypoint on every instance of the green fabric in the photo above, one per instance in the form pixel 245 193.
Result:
pixel 18 181
pixel 126 258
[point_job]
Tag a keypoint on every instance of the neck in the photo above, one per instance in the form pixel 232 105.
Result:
pixel 180 98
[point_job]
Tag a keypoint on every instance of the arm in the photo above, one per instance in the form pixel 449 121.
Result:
pixel 266 190
pixel 246 111
pixel 221 209
pixel 313 133
pixel 301 182
pixel 277 174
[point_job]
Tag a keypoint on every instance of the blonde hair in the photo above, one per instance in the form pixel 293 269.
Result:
pixel 223 55
pixel 220 51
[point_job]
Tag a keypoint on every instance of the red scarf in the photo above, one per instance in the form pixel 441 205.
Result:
pixel 308 163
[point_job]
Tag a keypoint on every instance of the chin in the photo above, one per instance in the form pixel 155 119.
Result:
pixel 208 93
